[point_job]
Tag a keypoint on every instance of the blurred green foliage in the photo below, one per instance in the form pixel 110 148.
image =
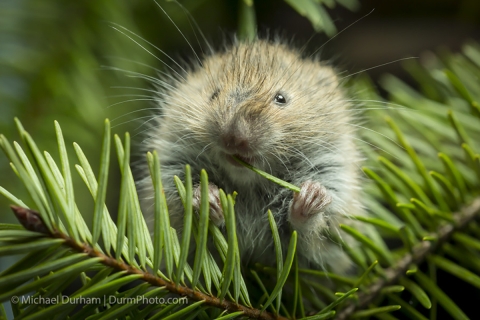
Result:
pixel 55 62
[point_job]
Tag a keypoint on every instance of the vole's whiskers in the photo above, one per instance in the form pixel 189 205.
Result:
pixel 131 95
pixel 388 105
pixel 151 44
pixel 351 136
pixel 359 110
pixel 340 32
pixel 368 129
pixel 375 147
pixel 134 88
pixel 131 100
pixel 153 117
pixel 302 155
pixel 188 42
pixel 184 141
pixel 180 31
pixel 378 66
pixel 204 149
pixel 132 112
pixel 281 161
pixel 149 52
pixel 166 75
pixel 155 81
pixel 325 145
pixel 190 19
pixel 131 120
pixel 145 122
pixel 180 102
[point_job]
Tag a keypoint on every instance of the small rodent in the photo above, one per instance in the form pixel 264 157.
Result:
pixel 284 113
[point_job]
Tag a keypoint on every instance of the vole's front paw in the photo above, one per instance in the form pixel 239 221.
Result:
pixel 312 199
pixel 216 213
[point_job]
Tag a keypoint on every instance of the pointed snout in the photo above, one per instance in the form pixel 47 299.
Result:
pixel 236 137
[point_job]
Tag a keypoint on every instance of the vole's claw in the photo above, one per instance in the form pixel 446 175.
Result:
pixel 216 212
pixel 312 199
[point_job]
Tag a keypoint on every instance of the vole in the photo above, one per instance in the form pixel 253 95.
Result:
pixel 268 105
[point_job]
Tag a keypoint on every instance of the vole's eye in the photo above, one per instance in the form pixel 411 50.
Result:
pixel 280 99
pixel 215 94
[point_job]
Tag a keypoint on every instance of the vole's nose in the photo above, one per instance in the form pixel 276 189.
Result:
pixel 236 137
pixel 235 142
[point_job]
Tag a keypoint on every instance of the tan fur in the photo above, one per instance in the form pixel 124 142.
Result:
pixel 308 138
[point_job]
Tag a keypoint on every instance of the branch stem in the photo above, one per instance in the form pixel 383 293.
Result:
pixel 419 253
pixel 32 221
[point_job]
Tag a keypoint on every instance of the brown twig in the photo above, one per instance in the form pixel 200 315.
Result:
pixel 32 221
pixel 419 253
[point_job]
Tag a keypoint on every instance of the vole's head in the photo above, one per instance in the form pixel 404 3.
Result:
pixel 261 102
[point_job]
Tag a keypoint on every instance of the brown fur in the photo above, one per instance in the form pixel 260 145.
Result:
pixel 231 95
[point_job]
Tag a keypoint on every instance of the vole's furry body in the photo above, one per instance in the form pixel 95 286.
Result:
pixel 230 104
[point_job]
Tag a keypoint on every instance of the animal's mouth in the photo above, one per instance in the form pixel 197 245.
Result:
pixel 230 159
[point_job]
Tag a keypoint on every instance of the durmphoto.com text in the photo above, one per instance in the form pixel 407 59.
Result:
pixel 111 300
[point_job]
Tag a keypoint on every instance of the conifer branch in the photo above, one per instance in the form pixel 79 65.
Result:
pixel 32 221
pixel 418 255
